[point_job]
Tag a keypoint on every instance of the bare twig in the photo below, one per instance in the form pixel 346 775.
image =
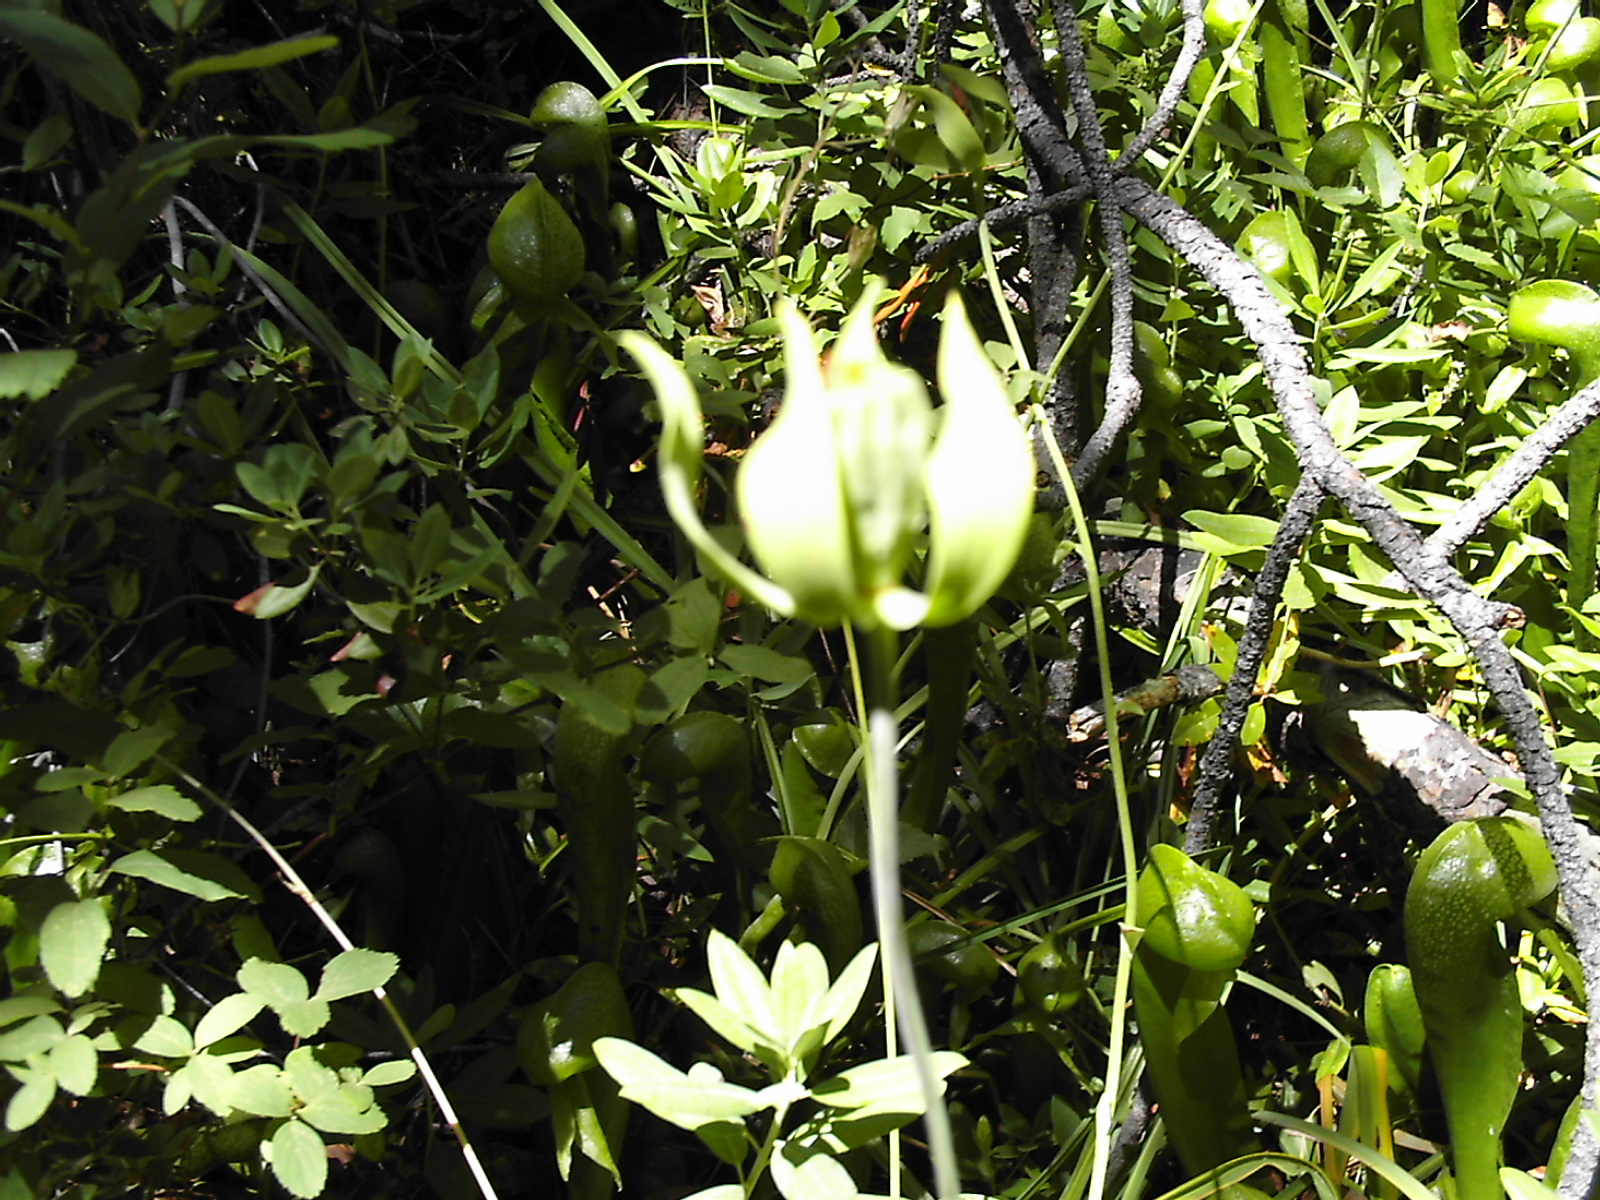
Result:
pixel 1122 386
pixel 1053 166
pixel 1216 764
pixel 299 887
pixel 1189 55
pixel 1531 457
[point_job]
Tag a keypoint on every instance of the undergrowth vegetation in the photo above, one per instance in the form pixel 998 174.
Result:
pixel 403 798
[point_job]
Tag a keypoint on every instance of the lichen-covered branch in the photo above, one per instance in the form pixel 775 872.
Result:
pixel 1216 764
pixel 1478 620
pixel 1122 386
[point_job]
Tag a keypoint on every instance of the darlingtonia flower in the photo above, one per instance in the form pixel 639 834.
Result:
pixel 834 495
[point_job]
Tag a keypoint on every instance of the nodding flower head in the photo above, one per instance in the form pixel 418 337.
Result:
pixel 834 495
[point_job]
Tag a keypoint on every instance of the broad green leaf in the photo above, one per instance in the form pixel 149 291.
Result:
pixel 819 1177
pixel 227 1016
pixel 132 748
pixel 384 1074
pixel 302 1018
pixel 299 1159
pixel 745 103
pixel 34 374
pixel 685 1100
pixel 176 1093
pixel 355 971
pixel 348 1110
pixel 764 68
pixel 844 997
pixel 766 664
pixel 274 983
pixel 888 1085
pixel 739 983
pixel 211 1080
pixel 166 1038
pixel 30 1038
pixel 29 1102
pixel 72 943
pixel 799 986
pixel 310 1079
pixel 147 864
pixel 15 1008
pixel 277 599
pixel 1230 533
pixel 955 129
pixel 75 1064
pixel 249 60
pixel 80 59
pixel 727 1023
pixel 159 798
pixel 261 1091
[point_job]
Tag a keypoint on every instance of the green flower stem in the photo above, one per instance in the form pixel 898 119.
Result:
pixel 883 862
pixel 1105 1110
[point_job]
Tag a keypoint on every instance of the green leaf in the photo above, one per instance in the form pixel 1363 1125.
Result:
pixel 840 1002
pixel 75 1064
pixel 29 1102
pixel 955 129
pixel 819 1177
pixel 1231 533
pixel 685 1100
pixel 764 68
pixel 356 971
pixel 739 983
pixel 275 984
pixel 211 1080
pixel 77 57
pixel 132 748
pixel 249 60
pixel 277 599
pixel 767 664
pixel 262 1092
pixel 33 1037
pixel 15 1008
pixel 799 985
pixel 166 1038
pixel 1520 1185
pixel 227 1016
pixel 727 1023
pixel 749 104
pixel 147 864
pixel 34 374
pixel 384 1074
pixel 348 1110
pixel 299 1159
pixel 303 1018
pixel 159 798
pixel 886 1086
pixel 72 943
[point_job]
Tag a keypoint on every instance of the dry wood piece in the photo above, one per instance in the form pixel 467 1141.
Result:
pixel 1387 745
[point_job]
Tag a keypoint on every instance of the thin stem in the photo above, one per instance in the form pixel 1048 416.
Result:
pixel 1105 1111
pixel 297 885
pixel 883 862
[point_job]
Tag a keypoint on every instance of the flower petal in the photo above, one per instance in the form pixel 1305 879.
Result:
pixel 979 478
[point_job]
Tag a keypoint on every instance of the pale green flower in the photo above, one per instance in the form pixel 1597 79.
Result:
pixel 834 494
